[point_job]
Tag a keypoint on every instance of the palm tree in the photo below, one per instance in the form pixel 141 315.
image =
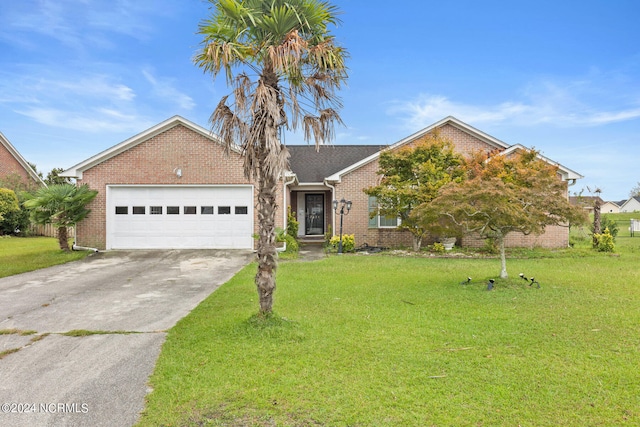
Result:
pixel 283 66
pixel 62 205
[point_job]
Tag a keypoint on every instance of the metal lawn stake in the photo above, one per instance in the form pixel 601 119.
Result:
pixel 343 203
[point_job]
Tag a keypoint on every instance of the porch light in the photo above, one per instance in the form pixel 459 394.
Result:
pixel 341 204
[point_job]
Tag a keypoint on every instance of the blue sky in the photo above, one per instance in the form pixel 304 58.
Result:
pixel 78 76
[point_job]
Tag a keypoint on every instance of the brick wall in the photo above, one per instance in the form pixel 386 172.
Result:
pixel 11 170
pixel 353 185
pixel 201 160
pixel 554 237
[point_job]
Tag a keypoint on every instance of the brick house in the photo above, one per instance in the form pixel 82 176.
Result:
pixel 174 186
pixel 349 181
pixel 15 171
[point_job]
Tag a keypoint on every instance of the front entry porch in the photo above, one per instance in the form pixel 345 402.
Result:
pixel 313 212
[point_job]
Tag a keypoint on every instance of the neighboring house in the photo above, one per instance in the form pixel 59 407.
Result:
pixel 15 171
pixel 611 207
pixel 631 205
pixel 587 202
pixel 174 186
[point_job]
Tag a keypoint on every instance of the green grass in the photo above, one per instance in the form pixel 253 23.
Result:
pixel 17 332
pixel 385 341
pixel 22 254
pixel 86 332
pixel 8 352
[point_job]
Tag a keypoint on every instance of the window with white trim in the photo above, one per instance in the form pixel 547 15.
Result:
pixel 380 221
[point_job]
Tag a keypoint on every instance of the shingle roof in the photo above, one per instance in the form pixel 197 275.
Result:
pixel 312 166
pixel 585 200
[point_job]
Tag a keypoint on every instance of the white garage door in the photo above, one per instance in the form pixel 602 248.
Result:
pixel 179 217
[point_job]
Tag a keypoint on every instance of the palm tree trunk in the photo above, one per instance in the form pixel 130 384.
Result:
pixel 63 238
pixel 266 251
pixel 597 222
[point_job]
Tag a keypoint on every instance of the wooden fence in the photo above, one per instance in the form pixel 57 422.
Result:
pixel 49 231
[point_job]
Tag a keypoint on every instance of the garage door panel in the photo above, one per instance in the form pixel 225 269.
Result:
pixel 182 230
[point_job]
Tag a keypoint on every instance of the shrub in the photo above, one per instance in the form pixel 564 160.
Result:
pixel 280 235
pixel 327 237
pixel 292 244
pixel 15 223
pixel 603 242
pixel 607 222
pixel 11 216
pixel 438 248
pixel 348 243
pixel 490 246
pixel 8 202
pixel 292 223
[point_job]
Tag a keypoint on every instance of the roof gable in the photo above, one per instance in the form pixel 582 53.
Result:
pixel 9 148
pixel 491 142
pixel 635 200
pixel 313 166
pixel 77 170
pixel 567 174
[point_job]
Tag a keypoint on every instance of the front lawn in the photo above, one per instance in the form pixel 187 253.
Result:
pixel 22 254
pixel 377 340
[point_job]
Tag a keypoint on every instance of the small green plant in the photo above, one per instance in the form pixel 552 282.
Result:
pixel 327 237
pixel 280 235
pixel 490 246
pixel 348 243
pixel 607 222
pixel 438 248
pixel 292 223
pixel 8 352
pixel 603 242
pixel 292 244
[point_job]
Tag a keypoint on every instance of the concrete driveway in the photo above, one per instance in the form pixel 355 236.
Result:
pixel 100 379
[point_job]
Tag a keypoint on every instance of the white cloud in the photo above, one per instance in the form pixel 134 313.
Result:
pixel 64 90
pixel 163 88
pixel 92 103
pixel 93 121
pixel 541 103
pixel 97 87
pixel 79 24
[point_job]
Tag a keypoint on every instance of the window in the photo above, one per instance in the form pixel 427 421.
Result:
pixel 122 210
pixel 224 210
pixel 206 210
pixel 189 210
pixel 173 210
pixel 155 210
pixel 138 210
pixel 378 221
pixel 241 210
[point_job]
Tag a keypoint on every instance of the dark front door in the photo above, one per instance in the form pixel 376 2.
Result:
pixel 314 214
